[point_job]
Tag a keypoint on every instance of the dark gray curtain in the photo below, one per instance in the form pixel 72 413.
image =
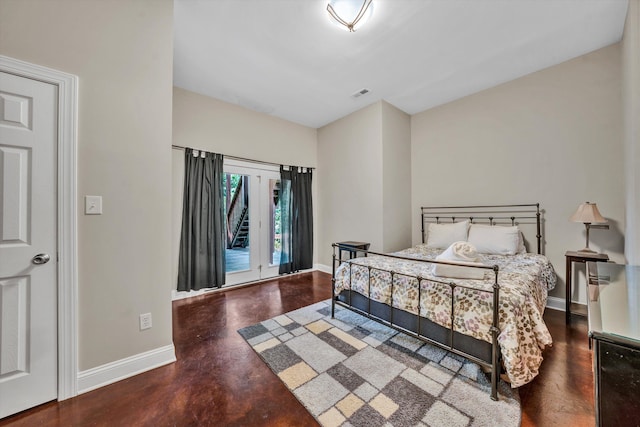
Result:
pixel 296 220
pixel 203 239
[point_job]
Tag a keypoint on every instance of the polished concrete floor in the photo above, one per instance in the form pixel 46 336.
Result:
pixel 219 381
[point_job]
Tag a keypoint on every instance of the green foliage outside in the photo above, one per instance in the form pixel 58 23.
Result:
pixel 235 179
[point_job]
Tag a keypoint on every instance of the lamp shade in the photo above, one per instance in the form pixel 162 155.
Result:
pixel 587 213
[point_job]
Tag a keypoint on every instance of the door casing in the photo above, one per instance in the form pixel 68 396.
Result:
pixel 67 275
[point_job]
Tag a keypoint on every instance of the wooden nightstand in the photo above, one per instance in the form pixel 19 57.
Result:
pixel 574 256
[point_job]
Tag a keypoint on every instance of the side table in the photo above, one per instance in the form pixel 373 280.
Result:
pixel 575 256
pixel 353 248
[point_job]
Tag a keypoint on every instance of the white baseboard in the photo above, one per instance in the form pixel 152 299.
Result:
pixel 323 268
pixel 112 372
pixel 177 295
pixel 556 303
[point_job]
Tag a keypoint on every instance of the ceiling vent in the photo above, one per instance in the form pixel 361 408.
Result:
pixel 360 93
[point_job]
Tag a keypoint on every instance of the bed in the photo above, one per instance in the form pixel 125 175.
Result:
pixel 495 315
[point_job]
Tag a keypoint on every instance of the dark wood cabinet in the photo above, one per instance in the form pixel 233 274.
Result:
pixel 614 327
pixel 618 379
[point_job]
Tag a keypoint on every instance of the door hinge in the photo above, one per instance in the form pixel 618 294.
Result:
pixel 260 267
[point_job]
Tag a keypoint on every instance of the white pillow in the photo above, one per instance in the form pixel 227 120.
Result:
pixel 522 249
pixel 495 239
pixel 444 235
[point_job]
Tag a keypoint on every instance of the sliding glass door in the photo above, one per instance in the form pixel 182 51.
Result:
pixel 251 195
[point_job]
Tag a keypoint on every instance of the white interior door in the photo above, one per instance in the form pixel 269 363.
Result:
pixel 28 288
pixel 252 250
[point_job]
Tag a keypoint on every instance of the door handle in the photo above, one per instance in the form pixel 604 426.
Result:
pixel 41 259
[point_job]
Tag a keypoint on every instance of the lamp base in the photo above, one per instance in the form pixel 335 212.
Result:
pixel 587 250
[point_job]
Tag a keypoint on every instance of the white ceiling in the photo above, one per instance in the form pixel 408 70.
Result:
pixel 284 57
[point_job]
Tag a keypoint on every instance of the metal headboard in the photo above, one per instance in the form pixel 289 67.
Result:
pixel 485 214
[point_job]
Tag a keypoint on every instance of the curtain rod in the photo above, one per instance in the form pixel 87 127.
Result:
pixel 244 159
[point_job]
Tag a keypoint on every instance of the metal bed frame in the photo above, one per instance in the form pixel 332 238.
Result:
pixel 485 354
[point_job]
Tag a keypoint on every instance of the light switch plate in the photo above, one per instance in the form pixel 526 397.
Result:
pixel 93 205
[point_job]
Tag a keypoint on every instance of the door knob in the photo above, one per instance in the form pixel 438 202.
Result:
pixel 41 259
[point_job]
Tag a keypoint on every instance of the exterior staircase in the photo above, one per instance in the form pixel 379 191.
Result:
pixel 238 217
pixel 240 237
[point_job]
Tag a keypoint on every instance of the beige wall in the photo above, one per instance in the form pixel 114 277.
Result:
pixel 177 192
pixel 396 182
pixel 552 137
pixel 209 124
pixel 631 103
pixel 122 53
pixel 350 181
pixel 364 180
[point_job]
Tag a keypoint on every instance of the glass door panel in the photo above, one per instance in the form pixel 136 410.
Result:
pixel 251 197
pixel 236 202
pixel 241 196
pixel 275 230
pixel 270 231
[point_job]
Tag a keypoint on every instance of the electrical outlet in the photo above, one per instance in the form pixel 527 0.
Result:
pixel 145 321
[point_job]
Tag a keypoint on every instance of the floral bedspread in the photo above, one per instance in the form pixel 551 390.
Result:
pixel 524 281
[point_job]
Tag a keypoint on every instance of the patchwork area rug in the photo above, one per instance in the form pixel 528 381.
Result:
pixel 352 371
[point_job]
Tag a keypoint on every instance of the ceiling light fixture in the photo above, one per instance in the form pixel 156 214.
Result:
pixel 350 14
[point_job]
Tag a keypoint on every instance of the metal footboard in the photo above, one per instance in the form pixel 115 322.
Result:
pixel 493 364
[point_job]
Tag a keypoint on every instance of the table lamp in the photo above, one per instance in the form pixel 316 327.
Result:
pixel 588 214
